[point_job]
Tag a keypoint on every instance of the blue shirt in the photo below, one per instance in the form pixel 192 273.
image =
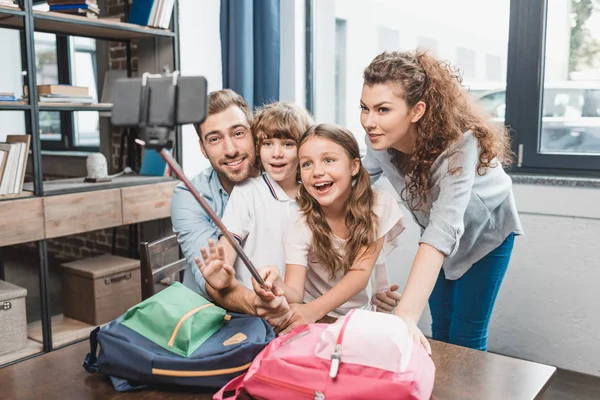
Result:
pixel 192 224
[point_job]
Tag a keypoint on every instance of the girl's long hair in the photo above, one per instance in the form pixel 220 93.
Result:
pixel 361 221
pixel 450 112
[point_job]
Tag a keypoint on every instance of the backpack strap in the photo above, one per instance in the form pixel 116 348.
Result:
pixel 234 389
pixel 89 364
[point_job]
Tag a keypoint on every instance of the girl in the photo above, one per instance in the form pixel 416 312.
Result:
pixel 257 209
pixel 444 157
pixel 335 241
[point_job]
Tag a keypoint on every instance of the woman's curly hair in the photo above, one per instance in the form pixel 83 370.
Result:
pixel 449 113
pixel 361 221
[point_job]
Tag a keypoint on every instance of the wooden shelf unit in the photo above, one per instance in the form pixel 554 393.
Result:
pixel 38 218
pixel 64 331
pixel 32 348
pixel 47 106
pixel 52 209
pixel 75 25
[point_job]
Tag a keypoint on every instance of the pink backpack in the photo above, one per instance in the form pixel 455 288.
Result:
pixel 364 355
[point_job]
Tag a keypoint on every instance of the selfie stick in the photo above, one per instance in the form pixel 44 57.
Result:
pixel 166 155
pixel 157 103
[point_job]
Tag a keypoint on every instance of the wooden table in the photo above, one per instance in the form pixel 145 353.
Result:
pixel 461 374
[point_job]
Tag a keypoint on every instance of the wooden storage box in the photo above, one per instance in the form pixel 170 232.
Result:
pixel 13 319
pixel 99 289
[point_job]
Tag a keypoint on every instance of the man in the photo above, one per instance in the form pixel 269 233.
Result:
pixel 227 142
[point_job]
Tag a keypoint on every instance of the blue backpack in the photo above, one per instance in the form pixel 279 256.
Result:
pixel 176 337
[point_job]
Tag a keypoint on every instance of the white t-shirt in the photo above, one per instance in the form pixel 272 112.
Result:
pixel 298 250
pixel 256 215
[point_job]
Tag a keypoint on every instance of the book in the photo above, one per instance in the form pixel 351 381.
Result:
pixel 155 13
pixel 10 169
pixel 24 141
pixel 74 8
pixel 3 159
pixel 153 164
pixel 68 90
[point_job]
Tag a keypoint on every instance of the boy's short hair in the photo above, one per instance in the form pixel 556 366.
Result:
pixel 220 100
pixel 280 121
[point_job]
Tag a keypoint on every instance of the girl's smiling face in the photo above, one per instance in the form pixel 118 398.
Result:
pixel 326 171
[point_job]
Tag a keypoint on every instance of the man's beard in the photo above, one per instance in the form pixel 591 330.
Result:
pixel 238 176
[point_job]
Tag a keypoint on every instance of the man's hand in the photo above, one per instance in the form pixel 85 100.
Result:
pixel 272 278
pixel 214 270
pixel 388 300
pixel 276 312
pixel 300 314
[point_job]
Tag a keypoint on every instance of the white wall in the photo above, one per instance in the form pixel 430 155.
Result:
pixel 200 52
pixel 547 309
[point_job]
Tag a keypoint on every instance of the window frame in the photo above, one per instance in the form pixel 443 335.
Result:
pixel 65 52
pixel 524 86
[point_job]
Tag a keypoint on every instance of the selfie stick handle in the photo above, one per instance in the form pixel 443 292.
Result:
pixel 166 155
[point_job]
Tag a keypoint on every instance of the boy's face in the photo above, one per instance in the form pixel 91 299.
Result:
pixel 279 158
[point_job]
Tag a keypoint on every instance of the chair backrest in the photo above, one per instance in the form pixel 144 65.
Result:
pixel 156 264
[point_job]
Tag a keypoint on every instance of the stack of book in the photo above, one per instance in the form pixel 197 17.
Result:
pixel 62 94
pixel 84 8
pixel 8 3
pixel 7 96
pixel 13 162
pixel 155 13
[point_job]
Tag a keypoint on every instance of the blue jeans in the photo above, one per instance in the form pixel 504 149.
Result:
pixel 461 309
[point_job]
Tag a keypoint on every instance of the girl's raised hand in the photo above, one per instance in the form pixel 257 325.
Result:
pixel 214 270
pixel 272 278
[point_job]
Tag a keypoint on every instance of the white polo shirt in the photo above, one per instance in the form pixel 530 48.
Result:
pixel 256 215
pixel 299 251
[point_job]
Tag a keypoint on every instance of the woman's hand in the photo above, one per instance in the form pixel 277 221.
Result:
pixel 300 314
pixel 415 332
pixel 388 300
pixel 214 270
pixel 273 283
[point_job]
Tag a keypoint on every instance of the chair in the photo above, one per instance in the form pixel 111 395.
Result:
pixel 156 264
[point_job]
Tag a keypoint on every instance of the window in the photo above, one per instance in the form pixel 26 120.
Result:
pixel 368 28
pixel 340 71
pixel 493 67
pixel 84 72
pixel 387 39
pixel 570 117
pixel 84 132
pixel 425 43
pixel 466 59
pixel 47 74
pixel 556 114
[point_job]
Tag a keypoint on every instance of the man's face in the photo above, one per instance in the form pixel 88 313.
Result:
pixel 228 144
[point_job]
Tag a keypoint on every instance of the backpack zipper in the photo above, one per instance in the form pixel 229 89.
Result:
pixel 337 351
pixel 183 319
pixel 317 395
pixel 192 374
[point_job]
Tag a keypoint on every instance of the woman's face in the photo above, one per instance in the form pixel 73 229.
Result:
pixel 387 118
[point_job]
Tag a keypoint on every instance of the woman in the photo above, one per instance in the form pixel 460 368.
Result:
pixel 444 157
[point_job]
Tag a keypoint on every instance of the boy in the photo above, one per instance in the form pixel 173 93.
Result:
pixel 257 209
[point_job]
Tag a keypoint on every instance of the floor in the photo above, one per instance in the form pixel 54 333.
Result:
pixel 565 385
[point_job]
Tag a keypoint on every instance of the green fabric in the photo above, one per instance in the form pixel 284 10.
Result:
pixel 157 317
